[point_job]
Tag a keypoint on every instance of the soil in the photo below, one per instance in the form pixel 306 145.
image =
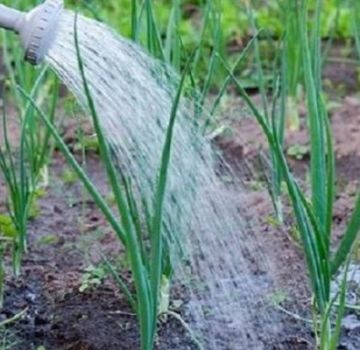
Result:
pixel 63 242
pixel 69 235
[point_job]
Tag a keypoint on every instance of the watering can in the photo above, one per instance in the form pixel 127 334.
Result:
pixel 36 28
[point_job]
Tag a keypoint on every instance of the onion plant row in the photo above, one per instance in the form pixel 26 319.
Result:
pixel 149 263
pixel 22 162
pixel 313 213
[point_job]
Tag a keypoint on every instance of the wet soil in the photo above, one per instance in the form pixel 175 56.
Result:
pixel 67 237
pixel 70 234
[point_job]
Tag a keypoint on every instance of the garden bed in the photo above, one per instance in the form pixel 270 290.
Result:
pixel 65 311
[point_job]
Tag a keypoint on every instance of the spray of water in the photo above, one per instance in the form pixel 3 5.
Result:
pixel 225 271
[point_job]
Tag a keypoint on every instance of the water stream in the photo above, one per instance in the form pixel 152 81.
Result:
pixel 225 274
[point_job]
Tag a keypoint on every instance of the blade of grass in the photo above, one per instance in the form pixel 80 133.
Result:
pixel 120 283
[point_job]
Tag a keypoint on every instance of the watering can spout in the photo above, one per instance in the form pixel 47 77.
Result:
pixel 37 28
pixel 10 18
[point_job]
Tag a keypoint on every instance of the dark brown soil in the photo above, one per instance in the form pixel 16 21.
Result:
pixel 58 315
pixel 68 235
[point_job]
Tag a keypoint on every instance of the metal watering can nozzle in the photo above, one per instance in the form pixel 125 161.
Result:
pixel 36 28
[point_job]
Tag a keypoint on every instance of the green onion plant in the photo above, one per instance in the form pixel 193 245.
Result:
pixel 19 158
pixel 274 114
pixel 292 51
pixel 21 162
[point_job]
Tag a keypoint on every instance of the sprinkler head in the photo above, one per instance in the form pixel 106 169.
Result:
pixel 36 28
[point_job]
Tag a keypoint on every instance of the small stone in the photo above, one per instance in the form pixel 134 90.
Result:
pixel 30 297
pixel 177 303
pixel 351 322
